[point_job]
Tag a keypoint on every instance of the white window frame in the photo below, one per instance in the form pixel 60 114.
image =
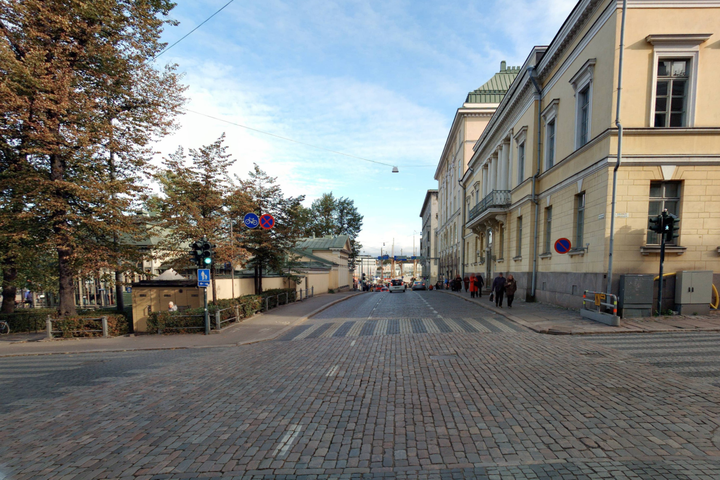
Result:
pixel 582 79
pixel 520 138
pixel 676 47
pixel 549 115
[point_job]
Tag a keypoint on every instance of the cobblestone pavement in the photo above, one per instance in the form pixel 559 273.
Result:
pixel 457 404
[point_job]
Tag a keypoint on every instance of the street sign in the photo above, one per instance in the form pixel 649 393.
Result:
pixel 400 258
pixel 203 277
pixel 251 220
pixel 267 222
pixel 562 245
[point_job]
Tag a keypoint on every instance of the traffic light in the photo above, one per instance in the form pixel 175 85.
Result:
pixel 655 224
pixel 196 252
pixel 671 227
pixel 207 253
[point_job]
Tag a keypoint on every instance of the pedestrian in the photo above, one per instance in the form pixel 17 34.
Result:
pixel 172 307
pixel 458 283
pixel 510 289
pixel 446 283
pixel 498 288
pixel 473 286
pixel 466 281
pixel 480 283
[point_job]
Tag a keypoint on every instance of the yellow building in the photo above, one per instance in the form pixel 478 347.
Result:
pixel 469 122
pixel 543 168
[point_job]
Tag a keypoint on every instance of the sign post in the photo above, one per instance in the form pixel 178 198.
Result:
pixel 204 282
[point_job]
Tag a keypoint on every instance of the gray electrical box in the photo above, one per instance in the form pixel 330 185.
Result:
pixel 693 292
pixel 636 296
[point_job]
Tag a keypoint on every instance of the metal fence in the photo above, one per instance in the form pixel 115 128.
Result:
pixel 104 321
pixel 309 293
pixel 496 198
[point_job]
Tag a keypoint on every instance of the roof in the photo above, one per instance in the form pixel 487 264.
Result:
pixel 314 259
pixel 430 193
pixel 494 89
pixel 323 243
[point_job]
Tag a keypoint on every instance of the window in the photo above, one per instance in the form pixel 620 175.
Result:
pixel 663 195
pixel 521 163
pixel 548 229
pixel 550 159
pixel 674 84
pixel 582 83
pixel 519 237
pixel 579 220
pixel 671 92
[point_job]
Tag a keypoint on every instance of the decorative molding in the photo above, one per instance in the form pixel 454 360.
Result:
pixel 678 39
pixel 667 171
pixel 648 249
pixel 518 258
pixel 545 255
pixel 579 185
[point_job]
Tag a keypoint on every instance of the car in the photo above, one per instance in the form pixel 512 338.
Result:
pixel 379 288
pixel 419 285
pixel 396 286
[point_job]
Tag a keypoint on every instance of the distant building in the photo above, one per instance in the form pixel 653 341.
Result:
pixel 428 241
pixel 469 123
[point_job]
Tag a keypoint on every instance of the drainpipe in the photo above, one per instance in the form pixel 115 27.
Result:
pixel 533 77
pixel 619 154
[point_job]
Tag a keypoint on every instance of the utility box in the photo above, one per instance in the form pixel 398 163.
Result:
pixel 636 296
pixel 693 292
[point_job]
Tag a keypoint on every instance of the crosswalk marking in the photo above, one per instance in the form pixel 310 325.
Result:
pixel 401 326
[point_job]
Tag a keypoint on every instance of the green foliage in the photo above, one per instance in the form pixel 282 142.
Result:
pixel 28 320
pixel 90 326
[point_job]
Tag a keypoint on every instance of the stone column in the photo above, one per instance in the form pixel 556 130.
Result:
pixel 485 175
pixel 493 174
pixel 505 161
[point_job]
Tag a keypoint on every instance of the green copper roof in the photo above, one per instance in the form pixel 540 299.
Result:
pixel 494 89
pixel 322 243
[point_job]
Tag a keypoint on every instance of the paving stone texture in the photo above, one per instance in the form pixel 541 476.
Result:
pixel 414 385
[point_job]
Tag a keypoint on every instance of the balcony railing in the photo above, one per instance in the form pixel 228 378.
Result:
pixel 495 199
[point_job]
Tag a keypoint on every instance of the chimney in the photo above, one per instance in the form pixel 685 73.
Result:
pixel 503 66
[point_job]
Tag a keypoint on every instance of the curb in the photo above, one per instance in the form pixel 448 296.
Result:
pixel 301 320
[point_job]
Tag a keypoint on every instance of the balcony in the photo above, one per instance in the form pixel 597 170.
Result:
pixel 495 199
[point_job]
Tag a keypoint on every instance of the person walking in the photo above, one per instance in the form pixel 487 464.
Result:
pixel 458 284
pixel 498 288
pixel 473 286
pixel 466 282
pixel 510 289
pixel 479 283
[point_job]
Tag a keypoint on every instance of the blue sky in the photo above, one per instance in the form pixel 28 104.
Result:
pixel 374 79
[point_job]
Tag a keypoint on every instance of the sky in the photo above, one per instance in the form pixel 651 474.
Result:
pixel 379 80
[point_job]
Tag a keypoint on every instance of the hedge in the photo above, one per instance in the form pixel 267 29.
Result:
pixel 34 320
pixel 28 320
pixel 83 326
pixel 179 322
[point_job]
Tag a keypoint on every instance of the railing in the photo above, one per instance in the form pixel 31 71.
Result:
pixel 308 294
pixel 50 331
pixel 495 199
pixel 218 317
pixel 601 307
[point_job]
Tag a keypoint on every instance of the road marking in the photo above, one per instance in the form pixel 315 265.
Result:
pixel 352 344
pixel 333 371
pixel 287 440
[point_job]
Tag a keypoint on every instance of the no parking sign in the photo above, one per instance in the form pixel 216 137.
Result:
pixel 562 245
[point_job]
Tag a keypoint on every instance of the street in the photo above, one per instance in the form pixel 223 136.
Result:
pixel 403 385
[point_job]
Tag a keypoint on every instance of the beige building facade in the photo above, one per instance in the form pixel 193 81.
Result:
pixel 428 240
pixel 469 122
pixel 544 165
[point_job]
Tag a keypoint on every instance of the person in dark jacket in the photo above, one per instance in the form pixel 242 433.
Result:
pixel 479 283
pixel 466 281
pixel 510 289
pixel 498 288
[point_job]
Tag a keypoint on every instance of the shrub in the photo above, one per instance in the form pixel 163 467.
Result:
pixel 28 320
pixel 90 326
pixel 189 321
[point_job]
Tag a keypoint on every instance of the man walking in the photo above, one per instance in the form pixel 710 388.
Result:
pixel 498 288
pixel 510 289
pixel 479 284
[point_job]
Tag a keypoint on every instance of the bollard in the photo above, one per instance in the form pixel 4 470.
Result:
pixel 312 292
pixel 105 327
pixel 48 326
pixel 237 314
pixel 217 321
pixel 287 298
pixel 266 304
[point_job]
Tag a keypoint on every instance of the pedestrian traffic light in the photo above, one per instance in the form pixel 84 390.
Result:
pixel 207 252
pixel 671 227
pixel 655 224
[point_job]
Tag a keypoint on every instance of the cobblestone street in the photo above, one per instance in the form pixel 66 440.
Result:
pixel 409 385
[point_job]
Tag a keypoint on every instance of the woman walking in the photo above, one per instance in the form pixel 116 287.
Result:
pixel 473 286
pixel 510 289
pixel 466 282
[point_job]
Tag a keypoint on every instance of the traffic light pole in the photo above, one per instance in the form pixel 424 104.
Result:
pixel 662 261
pixel 207 316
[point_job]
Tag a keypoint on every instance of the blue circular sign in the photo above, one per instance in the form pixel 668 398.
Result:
pixel 562 245
pixel 251 220
pixel 267 221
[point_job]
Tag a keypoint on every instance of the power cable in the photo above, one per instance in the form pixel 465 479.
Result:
pixel 191 31
pixel 304 143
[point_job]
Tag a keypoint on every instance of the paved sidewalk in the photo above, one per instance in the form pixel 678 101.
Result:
pixel 259 328
pixel 550 319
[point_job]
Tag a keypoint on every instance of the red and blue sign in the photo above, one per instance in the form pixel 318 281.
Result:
pixel 267 221
pixel 562 245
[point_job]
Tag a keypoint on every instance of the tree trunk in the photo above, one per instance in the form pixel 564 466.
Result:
pixel 66 291
pixel 8 289
pixel 260 289
pixel 212 279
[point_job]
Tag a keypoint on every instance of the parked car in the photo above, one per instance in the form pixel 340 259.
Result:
pixel 419 285
pixel 397 286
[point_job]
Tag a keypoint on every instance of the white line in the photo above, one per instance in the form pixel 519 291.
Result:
pixel 352 344
pixel 333 371
pixel 287 440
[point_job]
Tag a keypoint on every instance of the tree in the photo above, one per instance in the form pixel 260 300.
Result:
pixel 270 249
pixel 83 103
pixel 199 201
pixel 335 216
